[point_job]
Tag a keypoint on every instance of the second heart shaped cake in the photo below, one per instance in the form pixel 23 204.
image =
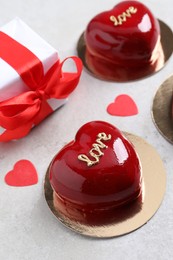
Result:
pixel 97 172
pixel 123 43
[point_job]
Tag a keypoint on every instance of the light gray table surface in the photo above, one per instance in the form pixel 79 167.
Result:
pixel 28 230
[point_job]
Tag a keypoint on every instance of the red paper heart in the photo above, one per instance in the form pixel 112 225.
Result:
pixel 123 105
pixel 23 174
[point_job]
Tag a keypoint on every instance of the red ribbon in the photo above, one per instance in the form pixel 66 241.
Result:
pixel 18 114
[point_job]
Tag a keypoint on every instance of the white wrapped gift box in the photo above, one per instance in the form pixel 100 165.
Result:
pixel 11 84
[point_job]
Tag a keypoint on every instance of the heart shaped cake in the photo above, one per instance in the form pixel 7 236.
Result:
pixel 97 172
pixel 123 43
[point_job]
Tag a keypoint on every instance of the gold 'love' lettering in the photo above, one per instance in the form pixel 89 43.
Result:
pixel 95 152
pixel 123 17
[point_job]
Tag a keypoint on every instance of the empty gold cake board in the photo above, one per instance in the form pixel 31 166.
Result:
pixel 123 75
pixel 135 214
pixel 162 107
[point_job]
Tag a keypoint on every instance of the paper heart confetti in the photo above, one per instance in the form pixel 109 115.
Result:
pixel 23 174
pixel 123 105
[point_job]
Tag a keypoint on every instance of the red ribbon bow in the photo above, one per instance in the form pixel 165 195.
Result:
pixel 18 114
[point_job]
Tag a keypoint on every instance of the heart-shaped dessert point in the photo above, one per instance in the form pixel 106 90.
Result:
pixel 123 42
pixel 98 171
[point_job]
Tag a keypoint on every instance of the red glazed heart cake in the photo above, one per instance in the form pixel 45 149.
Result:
pixel 123 43
pixel 97 172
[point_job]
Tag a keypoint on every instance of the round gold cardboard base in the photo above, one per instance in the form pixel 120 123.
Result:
pixel 166 47
pixel 161 110
pixel 137 214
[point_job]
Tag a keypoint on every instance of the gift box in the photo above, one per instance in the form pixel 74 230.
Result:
pixel 32 82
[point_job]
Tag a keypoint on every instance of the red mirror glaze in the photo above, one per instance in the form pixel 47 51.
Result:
pixel 128 41
pixel 114 180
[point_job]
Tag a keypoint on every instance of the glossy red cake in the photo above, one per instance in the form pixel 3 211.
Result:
pixel 123 43
pixel 96 173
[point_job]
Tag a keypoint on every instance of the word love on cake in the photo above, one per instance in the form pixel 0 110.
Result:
pixel 95 151
pixel 123 17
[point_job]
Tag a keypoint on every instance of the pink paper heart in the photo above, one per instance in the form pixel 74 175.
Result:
pixel 23 174
pixel 123 105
